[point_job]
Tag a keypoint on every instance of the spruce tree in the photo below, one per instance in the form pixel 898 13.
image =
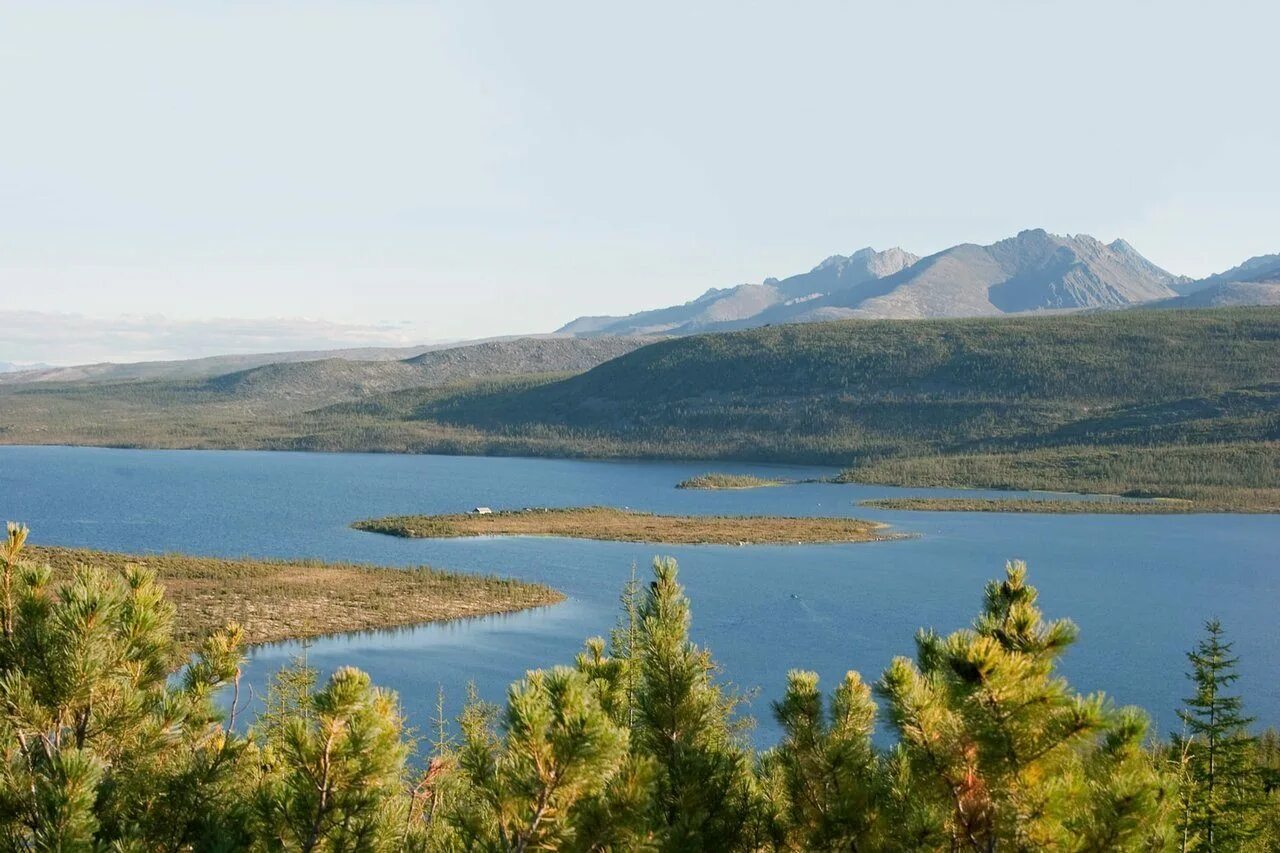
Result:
pixel 1223 791
pixel 1266 751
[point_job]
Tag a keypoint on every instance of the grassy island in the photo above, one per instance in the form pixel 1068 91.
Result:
pixel 289 599
pixel 714 480
pixel 618 525
pixel 1100 506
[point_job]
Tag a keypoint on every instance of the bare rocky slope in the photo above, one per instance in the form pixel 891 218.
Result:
pixel 733 307
pixel 1254 282
pixel 1033 271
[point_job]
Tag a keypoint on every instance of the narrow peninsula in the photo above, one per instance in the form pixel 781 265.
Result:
pixel 292 599
pixel 1081 506
pixel 618 525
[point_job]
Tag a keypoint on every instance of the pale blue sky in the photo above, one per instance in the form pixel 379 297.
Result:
pixel 430 170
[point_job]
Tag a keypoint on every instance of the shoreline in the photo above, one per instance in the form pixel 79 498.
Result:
pixel 1084 506
pixel 838 476
pixel 280 600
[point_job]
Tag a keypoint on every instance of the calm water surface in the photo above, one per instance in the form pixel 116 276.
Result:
pixel 1139 587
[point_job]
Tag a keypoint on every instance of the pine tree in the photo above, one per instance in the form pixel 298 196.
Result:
pixel 682 721
pixel 99 747
pixel 1002 752
pixel 334 780
pixel 559 777
pixel 1223 792
pixel 831 776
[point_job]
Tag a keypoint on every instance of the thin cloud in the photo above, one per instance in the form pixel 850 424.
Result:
pixel 36 336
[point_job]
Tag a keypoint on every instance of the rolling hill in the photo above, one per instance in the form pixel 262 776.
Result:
pixel 1176 403
pixel 839 390
pixel 246 408
pixel 1184 404
pixel 489 356
pixel 335 379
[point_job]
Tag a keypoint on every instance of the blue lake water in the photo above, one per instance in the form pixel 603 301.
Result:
pixel 1139 587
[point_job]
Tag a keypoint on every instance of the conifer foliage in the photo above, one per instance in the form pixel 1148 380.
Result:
pixel 98 748
pixel 1001 750
pixel 636 746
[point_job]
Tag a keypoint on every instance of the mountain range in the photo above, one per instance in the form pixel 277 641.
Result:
pixel 1255 282
pixel 1032 271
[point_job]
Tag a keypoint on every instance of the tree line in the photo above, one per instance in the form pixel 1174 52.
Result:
pixel 635 746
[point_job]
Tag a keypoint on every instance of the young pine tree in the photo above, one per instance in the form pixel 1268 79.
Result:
pixel 334 779
pixel 997 749
pixel 1222 790
pixel 560 776
pixel 99 748
pixel 832 781
pixel 705 787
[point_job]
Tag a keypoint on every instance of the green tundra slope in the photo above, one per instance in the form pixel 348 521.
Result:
pixel 1185 404
pixel 1177 403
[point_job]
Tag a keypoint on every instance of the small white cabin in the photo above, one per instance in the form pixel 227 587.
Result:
pixel 482 510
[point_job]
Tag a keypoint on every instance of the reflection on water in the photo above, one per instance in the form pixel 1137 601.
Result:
pixel 1138 586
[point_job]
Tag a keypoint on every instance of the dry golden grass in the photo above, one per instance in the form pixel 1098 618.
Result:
pixel 618 525
pixel 288 599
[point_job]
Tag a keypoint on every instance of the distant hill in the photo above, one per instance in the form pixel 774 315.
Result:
pixel 1263 269
pixel 11 367
pixel 359 367
pixel 199 368
pixel 1226 294
pixel 1033 271
pixel 335 379
pixel 1174 403
pixel 836 390
pixel 1254 282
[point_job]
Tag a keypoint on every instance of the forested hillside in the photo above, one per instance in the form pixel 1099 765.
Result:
pixel 1177 403
pixel 1168 403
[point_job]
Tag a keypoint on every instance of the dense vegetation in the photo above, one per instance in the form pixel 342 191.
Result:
pixel 1176 403
pixel 634 747
pixel 287 599
pixel 617 525
pixel 1216 476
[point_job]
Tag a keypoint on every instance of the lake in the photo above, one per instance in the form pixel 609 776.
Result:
pixel 1140 587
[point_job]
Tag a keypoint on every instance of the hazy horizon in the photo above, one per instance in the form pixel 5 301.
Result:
pixel 302 175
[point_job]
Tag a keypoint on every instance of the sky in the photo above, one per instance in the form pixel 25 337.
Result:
pixel 375 172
